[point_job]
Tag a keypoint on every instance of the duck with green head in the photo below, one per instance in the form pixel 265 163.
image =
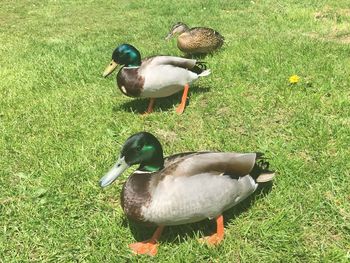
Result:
pixel 183 188
pixel 154 77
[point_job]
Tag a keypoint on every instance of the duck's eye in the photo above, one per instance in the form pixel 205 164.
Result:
pixel 139 147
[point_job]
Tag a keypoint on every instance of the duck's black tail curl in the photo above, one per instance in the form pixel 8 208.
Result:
pixel 261 162
pixel 199 67
pixel 260 171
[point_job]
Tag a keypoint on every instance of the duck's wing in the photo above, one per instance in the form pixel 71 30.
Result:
pixel 206 31
pixel 207 37
pixel 168 60
pixel 194 186
pixel 175 158
pixel 233 164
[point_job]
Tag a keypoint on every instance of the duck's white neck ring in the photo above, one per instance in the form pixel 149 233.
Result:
pixel 142 172
pixel 131 67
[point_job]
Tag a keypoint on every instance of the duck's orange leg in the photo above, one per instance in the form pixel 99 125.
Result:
pixel 150 106
pixel 217 237
pixel 149 246
pixel 181 107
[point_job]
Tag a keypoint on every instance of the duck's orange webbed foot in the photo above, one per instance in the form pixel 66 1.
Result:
pixel 212 240
pixel 145 247
pixel 180 109
pixel 150 106
pixel 149 247
pixel 217 237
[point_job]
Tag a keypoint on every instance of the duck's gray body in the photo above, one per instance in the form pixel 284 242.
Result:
pixel 191 187
pixel 158 76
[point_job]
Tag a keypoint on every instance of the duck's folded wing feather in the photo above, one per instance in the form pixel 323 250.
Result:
pixel 170 60
pixel 236 164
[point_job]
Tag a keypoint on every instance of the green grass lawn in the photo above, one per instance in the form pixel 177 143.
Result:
pixel 62 126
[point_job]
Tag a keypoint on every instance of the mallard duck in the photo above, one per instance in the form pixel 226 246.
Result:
pixel 154 77
pixel 183 188
pixel 196 40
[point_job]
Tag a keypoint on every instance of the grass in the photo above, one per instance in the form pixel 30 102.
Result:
pixel 62 125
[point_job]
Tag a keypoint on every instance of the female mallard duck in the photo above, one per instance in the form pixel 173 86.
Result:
pixel 197 40
pixel 183 188
pixel 154 77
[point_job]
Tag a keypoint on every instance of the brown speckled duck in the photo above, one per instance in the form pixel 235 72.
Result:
pixel 196 40
pixel 183 188
pixel 154 77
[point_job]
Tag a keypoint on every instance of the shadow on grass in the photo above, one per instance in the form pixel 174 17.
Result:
pixel 176 234
pixel 200 56
pixel 139 105
pixel 197 56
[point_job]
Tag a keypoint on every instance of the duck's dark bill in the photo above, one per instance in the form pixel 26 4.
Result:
pixel 169 36
pixel 110 68
pixel 113 174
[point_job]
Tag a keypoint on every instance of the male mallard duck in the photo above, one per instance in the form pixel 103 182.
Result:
pixel 197 40
pixel 183 188
pixel 154 77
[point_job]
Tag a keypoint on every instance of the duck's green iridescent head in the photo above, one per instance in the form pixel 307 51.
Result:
pixel 124 54
pixel 141 148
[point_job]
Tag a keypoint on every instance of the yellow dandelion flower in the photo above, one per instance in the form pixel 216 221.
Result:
pixel 294 79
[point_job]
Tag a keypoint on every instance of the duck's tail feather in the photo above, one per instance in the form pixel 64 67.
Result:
pixel 205 73
pixel 200 69
pixel 261 172
pixel 220 38
pixel 265 177
pixel 202 65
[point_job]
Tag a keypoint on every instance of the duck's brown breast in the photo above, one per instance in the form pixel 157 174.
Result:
pixel 130 82
pixel 135 194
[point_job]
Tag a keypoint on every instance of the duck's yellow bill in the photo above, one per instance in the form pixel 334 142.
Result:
pixel 110 68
